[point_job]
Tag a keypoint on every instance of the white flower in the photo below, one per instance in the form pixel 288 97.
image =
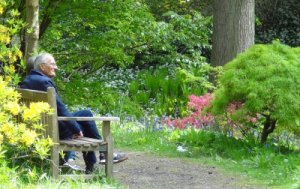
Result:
pixel 181 149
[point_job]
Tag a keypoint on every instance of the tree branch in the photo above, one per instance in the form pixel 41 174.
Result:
pixel 46 20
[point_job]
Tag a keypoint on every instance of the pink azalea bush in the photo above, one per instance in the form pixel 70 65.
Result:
pixel 197 118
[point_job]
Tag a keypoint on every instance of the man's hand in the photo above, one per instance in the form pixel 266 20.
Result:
pixel 79 135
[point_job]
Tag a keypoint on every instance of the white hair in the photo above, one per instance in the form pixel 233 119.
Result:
pixel 42 58
pixel 30 63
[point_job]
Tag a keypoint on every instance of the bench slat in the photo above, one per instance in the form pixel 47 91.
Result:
pixel 90 139
pixel 33 95
pixel 88 118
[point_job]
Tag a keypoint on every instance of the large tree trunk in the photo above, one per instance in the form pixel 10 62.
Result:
pixel 233 29
pixel 32 33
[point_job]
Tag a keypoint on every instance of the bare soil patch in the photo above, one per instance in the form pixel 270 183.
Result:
pixel 143 171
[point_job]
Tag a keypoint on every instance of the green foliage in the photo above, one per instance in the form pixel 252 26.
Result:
pixel 21 140
pixel 180 41
pixel 164 90
pixel 137 92
pixel 278 20
pixel 211 144
pixel 8 176
pixel 80 94
pixel 265 79
pixel 133 135
pixel 91 39
pixel 182 7
pixel 297 51
pixel 124 33
pixel 9 52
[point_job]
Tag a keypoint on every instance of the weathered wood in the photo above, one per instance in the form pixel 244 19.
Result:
pixel 109 155
pixel 52 122
pixel 78 144
pixel 64 147
pixel 88 119
pixel 33 96
pixel 78 177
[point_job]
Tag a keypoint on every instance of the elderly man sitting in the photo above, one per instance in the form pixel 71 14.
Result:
pixel 40 78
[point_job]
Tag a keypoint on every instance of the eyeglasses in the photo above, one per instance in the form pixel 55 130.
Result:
pixel 53 64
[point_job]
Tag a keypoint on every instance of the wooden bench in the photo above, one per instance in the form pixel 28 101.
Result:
pixel 81 144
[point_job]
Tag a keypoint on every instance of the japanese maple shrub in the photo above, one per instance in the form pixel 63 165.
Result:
pixel 265 80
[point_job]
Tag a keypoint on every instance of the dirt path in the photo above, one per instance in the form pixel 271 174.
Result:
pixel 144 171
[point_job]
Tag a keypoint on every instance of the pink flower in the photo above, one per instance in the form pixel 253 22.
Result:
pixel 196 118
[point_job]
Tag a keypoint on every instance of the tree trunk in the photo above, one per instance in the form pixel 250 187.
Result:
pixel 233 29
pixel 32 33
pixel 269 127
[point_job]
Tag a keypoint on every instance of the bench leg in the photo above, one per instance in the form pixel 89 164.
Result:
pixel 109 157
pixel 54 166
pixel 109 154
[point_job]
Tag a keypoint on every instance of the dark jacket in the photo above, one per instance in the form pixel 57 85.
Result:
pixel 35 80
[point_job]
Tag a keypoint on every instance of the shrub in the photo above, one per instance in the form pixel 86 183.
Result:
pixel 9 53
pixel 164 89
pixel 197 117
pixel 20 130
pixel 265 80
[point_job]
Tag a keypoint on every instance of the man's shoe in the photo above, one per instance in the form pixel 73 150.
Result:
pixel 117 158
pixel 71 165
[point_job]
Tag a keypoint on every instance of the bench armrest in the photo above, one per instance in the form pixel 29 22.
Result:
pixel 106 123
pixel 88 118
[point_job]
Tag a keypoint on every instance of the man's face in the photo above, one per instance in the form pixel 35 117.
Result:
pixel 49 68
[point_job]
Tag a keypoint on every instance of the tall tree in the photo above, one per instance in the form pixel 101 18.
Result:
pixel 233 29
pixel 32 33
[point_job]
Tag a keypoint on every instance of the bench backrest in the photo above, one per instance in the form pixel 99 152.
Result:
pixel 50 121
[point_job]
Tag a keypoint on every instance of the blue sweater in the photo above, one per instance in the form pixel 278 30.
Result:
pixel 36 80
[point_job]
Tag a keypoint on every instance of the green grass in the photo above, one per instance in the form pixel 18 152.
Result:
pixel 11 179
pixel 70 184
pixel 66 184
pixel 276 167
